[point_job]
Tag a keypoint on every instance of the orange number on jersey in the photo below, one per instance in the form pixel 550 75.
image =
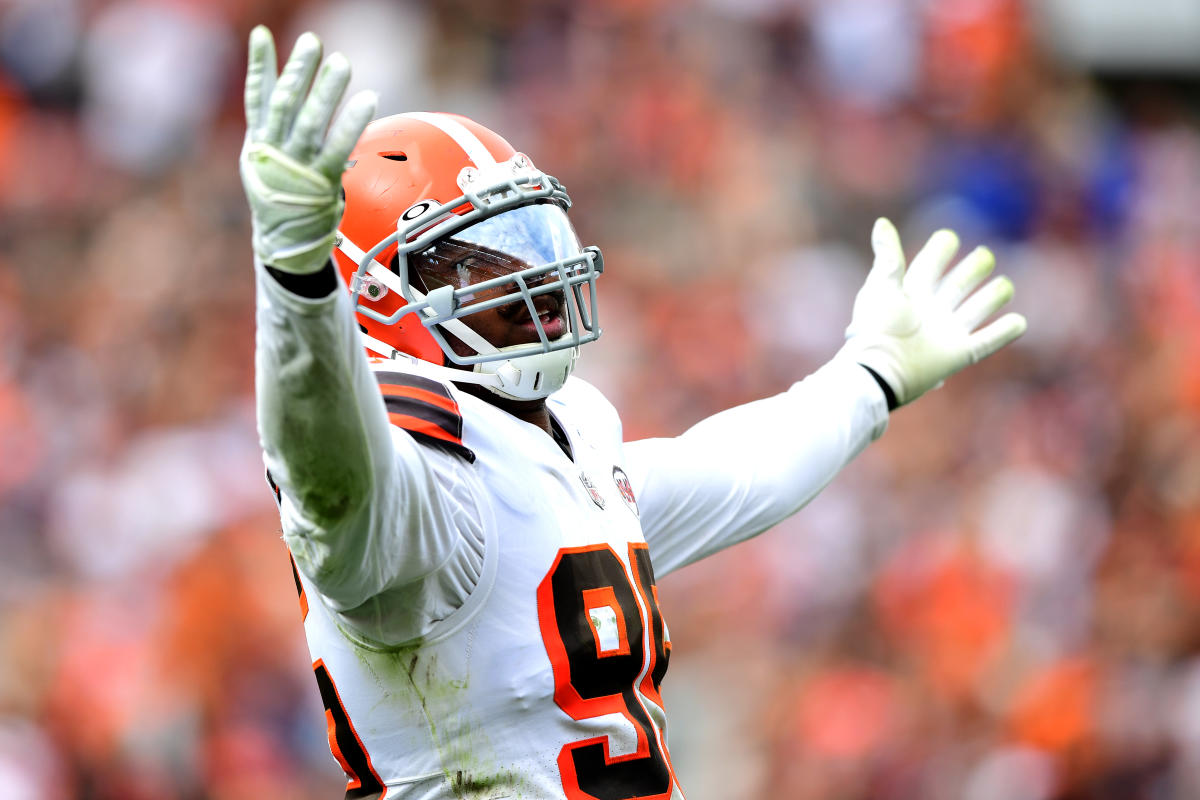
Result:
pixel 593 629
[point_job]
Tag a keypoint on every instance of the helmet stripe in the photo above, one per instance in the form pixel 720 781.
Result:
pixel 462 136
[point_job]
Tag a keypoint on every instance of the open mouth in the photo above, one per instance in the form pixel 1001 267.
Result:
pixel 549 314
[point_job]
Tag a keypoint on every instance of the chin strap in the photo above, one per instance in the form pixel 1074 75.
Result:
pixel 524 378
pixel 531 377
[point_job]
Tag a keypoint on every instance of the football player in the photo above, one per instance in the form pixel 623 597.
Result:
pixel 475 547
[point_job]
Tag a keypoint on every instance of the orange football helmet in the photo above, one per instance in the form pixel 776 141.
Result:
pixel 421 190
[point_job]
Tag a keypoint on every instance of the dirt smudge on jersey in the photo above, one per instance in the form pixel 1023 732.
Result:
pixel 416 679
pixel 473 786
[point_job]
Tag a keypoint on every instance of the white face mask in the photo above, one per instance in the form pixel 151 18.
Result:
pixel 508 249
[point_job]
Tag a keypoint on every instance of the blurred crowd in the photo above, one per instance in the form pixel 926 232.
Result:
pixel 998 600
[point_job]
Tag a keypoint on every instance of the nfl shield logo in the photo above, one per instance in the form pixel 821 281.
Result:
pixel 592 491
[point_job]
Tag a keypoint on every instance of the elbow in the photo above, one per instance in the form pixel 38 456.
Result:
pixel 328 510
pixel 324 531
pixel 332 501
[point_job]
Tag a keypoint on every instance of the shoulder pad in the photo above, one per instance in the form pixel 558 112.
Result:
pixel 426 409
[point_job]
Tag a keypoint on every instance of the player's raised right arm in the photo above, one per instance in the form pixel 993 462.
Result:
pixel 361 513
pixel 291 167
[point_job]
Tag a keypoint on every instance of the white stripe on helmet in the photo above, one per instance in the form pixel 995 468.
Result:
pixel 462 136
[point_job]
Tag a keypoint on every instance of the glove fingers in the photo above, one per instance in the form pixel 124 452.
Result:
pixel 318 109
pixel 965 277
pixel 988 340
pixel 291 88
pixel 930 263
pixel 889 255
pixel 260 76
pixel 344 134
pixel 984 303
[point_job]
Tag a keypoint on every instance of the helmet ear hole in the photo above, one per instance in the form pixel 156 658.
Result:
pixel 395 156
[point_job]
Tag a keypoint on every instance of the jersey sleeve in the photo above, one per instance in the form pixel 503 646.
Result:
pixel 368 511
pixel 739 472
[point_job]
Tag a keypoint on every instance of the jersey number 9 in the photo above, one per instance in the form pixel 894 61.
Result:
pixel 594 623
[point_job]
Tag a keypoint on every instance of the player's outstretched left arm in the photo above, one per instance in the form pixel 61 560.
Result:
pixel 916 326
pixel 739 472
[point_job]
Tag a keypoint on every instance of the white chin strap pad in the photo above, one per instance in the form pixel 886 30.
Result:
pixel 524 378
pixel 530 377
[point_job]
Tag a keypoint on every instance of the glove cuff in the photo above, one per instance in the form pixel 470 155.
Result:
pixel 888 394
pixel 312 285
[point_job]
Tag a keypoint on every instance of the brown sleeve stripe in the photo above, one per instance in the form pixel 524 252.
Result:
pixel 418 420
pixel 419 395
pixel 424 408
pixel 415 381
pixel 415 414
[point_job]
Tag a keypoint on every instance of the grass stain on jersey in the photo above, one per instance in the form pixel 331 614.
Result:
pixel 464 752
pixel 467 786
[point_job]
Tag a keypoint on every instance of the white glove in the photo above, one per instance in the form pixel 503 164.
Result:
pixel 291 171
pixel 914 328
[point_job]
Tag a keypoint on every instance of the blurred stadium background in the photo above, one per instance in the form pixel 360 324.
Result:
pixel 998 601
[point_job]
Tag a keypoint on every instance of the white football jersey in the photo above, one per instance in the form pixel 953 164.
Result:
pixel 544 683
pixel 479 597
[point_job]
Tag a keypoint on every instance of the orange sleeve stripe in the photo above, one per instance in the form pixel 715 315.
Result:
pixel 420 395
pixel 418 425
